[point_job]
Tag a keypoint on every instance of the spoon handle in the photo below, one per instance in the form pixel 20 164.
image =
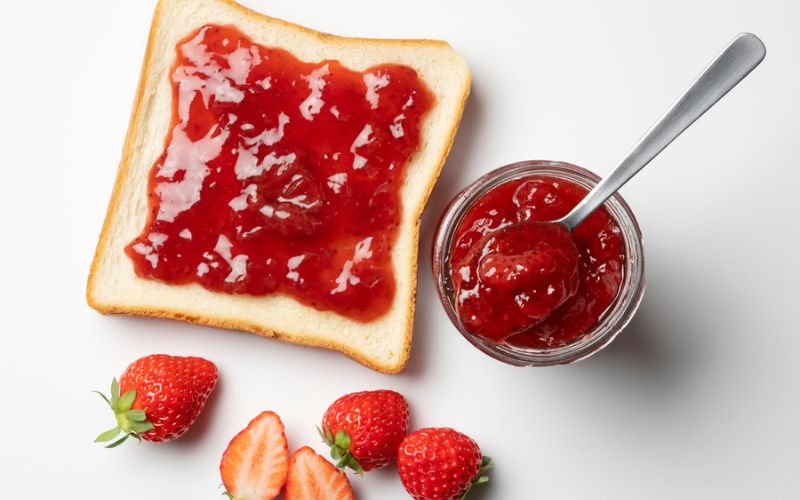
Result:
pixel 738 59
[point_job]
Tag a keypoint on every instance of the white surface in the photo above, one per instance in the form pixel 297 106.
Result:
pixel 697 399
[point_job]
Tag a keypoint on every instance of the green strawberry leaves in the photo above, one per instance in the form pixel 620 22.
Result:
pixel 108 435
pixel 102 396
pixel 227 493
pixel 126 400
pixel 131 422
pixel 340 450
pixel 480 477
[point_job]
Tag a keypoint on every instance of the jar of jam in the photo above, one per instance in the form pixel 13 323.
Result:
pixel 529 293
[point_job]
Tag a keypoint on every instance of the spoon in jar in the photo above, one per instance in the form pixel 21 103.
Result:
pixel 532 266
pixel 735 62
pixel 537 262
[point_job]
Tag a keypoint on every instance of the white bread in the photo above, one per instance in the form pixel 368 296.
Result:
pixel 113 287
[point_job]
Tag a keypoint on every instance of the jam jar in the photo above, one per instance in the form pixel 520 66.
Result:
pixel 509 312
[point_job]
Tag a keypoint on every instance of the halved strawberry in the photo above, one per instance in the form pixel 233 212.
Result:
pixel 311 477
pixel 254 466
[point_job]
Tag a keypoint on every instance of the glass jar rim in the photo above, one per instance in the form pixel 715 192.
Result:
pixel 610 323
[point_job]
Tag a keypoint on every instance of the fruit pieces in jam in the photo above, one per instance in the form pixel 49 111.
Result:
pixel 280 175
pixel 524 282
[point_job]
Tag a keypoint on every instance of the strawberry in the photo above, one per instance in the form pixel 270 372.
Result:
pixel 311 477
pixel 255 463
pixel 159 397
pixel 440 464
pixel 364 429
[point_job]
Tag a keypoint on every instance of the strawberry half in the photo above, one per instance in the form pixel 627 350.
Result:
pixel 254 466
pixel 364 429
pixel 159 397
pixel 440 464
pixel 311 477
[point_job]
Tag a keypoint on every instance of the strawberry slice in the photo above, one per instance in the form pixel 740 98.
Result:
pixel 254 466
pixel 311 477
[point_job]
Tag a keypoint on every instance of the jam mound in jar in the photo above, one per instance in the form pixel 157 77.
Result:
pixel 522 281
pixel 280 175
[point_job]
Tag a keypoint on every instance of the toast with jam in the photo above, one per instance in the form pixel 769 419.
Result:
pixel 273 179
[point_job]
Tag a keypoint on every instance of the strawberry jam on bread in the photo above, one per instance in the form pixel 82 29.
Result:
pixel 273 180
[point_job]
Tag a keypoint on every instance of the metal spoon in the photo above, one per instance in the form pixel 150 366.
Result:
pixel 735 62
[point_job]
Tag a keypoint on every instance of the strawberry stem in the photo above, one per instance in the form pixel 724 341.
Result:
pixel 340 450
pixel 480 477
pixel 132 422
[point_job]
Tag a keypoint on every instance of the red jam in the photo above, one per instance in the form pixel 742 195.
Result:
pixel 525 282
pixel 280 175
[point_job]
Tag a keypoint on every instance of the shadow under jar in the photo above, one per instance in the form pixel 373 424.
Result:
pixel 587 321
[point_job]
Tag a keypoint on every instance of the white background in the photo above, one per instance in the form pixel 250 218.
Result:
pixel 697 399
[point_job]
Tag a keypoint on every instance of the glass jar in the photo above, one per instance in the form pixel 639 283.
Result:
pixel 611 322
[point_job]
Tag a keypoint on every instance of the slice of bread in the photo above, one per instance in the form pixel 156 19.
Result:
pixel 382 344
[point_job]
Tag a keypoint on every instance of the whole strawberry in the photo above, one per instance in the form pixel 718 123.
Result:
pixel 364 429
pixel 439 463
pixel 159 397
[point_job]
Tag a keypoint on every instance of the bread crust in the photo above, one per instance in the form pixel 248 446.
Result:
pixel 248 326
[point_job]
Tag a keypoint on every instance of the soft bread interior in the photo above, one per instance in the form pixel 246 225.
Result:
pixel 382 344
